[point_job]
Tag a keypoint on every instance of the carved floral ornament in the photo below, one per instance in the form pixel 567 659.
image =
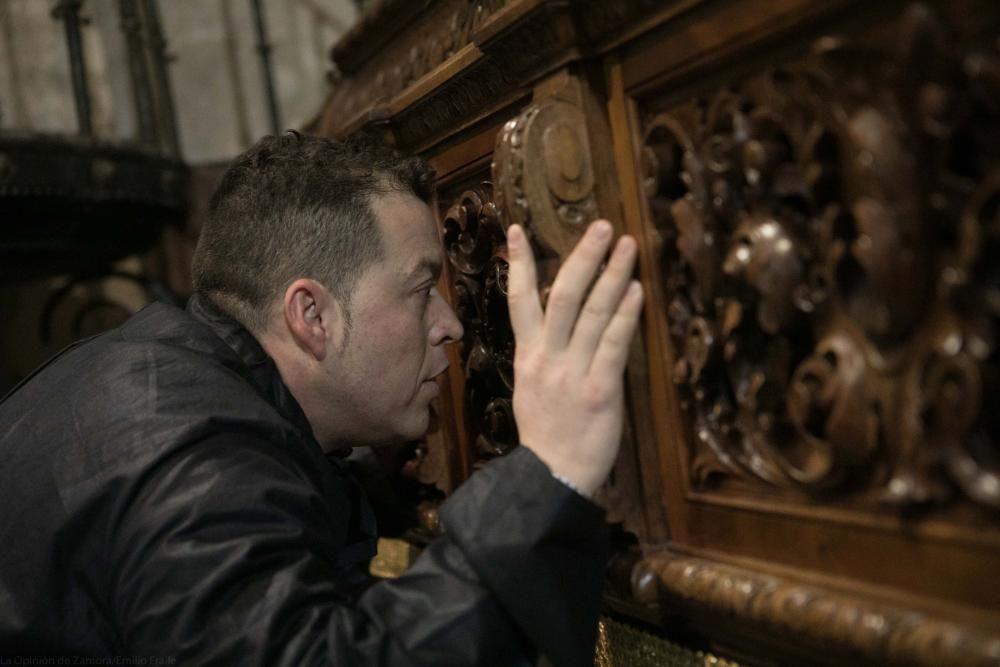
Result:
pixel 830 233
pixel 477 251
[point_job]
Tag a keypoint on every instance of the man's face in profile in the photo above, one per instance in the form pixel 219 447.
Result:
pixel 384 373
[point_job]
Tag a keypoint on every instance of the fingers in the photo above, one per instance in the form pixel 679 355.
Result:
pixel 575 276
pixel 603 301
pixel 522 287
pixel 612 350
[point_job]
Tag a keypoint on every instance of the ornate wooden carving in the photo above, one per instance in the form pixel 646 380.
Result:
pixel 487 47
pixel 545 179
pixel 369 78
pixel 529 37
pixel 542 173
pixel 817 243
pixel 828 232
pixel 881 632
pixel 456 100
pixel 476 244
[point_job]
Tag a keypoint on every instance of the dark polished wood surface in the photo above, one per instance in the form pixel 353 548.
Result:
pixel 810 469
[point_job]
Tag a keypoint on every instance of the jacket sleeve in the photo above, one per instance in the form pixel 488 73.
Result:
pixel 226 555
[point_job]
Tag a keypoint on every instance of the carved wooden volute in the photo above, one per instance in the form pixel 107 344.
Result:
pixel 543 174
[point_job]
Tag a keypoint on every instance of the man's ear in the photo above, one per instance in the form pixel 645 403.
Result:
pixel 313 317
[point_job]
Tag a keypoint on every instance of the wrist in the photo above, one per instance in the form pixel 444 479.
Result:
pixel 573 487
pixel 580 480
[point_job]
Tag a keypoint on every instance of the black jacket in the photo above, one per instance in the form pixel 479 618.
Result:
pixel 162 496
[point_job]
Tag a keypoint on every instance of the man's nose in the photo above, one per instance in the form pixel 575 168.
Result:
pixel 446 328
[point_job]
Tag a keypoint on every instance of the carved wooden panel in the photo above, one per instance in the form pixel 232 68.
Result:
pixel 820 225
pixel 810 469
pixel 830 229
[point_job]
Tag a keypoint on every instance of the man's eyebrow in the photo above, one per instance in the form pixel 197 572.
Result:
pixel 426 264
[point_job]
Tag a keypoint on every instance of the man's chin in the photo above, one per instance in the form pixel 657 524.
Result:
pixel 406 428
pixel 422 422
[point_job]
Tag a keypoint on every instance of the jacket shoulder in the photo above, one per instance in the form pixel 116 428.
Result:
pixel 163 377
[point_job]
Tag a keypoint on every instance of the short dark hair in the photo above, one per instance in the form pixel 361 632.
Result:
pixel 298 206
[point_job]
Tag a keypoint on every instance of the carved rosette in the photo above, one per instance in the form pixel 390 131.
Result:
pixel 830 234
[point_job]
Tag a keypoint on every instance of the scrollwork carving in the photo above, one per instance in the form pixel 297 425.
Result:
pixel 475 241
pixel 544 176
pixel 472 232
pixel 827 228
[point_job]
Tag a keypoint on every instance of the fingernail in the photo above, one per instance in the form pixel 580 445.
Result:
pixel 602 229
pixel 514 235
pixel 624 247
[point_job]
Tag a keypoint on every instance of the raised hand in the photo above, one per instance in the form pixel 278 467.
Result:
pixel 569 361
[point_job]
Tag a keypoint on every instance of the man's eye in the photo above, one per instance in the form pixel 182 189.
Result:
pixel 428 292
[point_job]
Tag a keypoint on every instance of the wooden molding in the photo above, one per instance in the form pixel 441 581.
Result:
pixel 455 57
pixel 376 28
pixel 845 623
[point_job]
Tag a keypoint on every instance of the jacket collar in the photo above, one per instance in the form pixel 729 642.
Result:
pixel 260 369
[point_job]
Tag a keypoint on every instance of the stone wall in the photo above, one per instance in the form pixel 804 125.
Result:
pixel 215 73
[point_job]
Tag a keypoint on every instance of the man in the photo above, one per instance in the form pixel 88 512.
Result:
pixel 166 489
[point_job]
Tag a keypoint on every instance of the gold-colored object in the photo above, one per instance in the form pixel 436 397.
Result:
pixel 622 645
pixel 394 557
